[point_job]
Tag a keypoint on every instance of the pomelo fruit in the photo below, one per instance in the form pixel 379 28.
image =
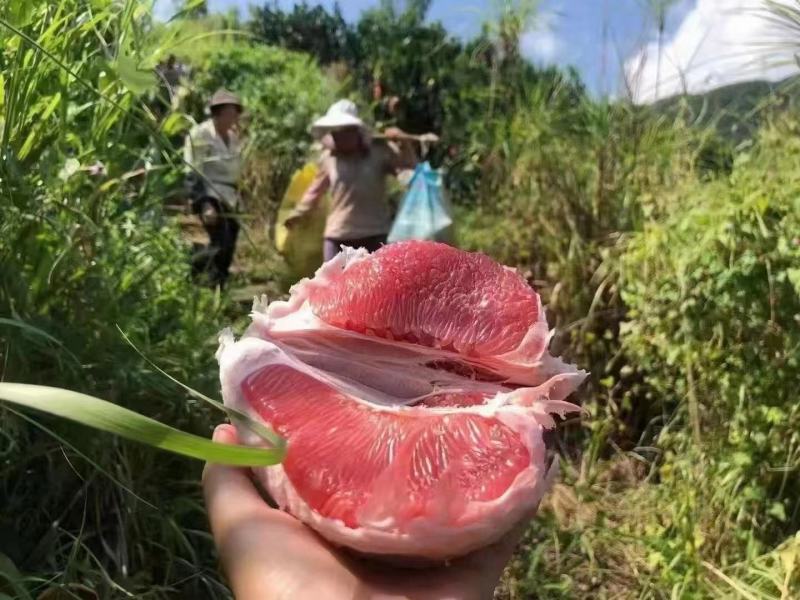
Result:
pixel 413 388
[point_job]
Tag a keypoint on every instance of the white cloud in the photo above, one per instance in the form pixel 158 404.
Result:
pixel 541 42
pixel 541 45
pixel 719 42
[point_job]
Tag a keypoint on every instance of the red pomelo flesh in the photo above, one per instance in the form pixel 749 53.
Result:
pixel 433 295
pixel 340 452
pixel 412 387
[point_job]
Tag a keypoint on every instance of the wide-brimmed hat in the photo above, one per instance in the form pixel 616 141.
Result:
pixel 222 97
pixel 341 114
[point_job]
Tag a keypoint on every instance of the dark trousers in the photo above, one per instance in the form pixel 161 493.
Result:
pixel 331 247
pixel 222 229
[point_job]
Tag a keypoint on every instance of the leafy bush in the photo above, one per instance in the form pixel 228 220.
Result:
pixel 283 92
pixel 714 297
pixel 566 177
pixel 685 305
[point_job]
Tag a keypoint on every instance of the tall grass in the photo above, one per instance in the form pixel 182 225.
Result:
pixel 84 248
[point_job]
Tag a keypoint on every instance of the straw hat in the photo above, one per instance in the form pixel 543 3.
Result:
pixel 341 114
pixel 222 97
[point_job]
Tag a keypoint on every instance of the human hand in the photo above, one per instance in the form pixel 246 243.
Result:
pixel 209 214
pixel 394 133
pixel 267 553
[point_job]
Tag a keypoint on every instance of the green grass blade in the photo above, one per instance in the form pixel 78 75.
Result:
pixel 234 415
pixel 112 418
pixel 28 328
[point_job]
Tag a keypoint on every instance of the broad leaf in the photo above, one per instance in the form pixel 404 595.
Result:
pixel 175 123
pixel 136 80
pixel 19 12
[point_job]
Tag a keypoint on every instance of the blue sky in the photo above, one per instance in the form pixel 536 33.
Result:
pixel 571 31
pixel 708 43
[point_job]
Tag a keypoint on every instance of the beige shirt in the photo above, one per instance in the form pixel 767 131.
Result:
pixel 357 185
pixel 219 163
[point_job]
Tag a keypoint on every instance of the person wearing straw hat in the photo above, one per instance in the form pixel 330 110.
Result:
pixel 213 153
pixel 354 168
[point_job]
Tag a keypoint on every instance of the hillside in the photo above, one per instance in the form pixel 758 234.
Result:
pixel 734 110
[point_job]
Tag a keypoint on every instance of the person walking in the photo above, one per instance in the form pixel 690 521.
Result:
pixel 354 168
pixel 213 152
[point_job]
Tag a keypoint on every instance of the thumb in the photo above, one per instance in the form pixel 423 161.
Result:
pixel 225 434
pixel 213 473
pixel 229 492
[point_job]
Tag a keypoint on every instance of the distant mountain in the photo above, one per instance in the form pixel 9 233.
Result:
pixel 735 110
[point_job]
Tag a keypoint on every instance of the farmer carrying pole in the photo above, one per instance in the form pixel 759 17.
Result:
pixel 354 166
pixel 213 152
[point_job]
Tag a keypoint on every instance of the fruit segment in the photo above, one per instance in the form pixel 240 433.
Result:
pixel 342 455
pixel 431 295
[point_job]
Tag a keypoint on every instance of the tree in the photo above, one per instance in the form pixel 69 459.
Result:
pixel 192 9
pixel 513 19
pixel 418 9
pixel 311 29
pixel 461 91
pixel 410 59
pixel 504 32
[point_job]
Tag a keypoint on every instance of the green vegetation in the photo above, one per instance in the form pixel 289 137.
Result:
pixel 667 251
pixel 286 91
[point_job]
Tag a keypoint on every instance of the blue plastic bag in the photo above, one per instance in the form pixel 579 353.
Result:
pixel 424 214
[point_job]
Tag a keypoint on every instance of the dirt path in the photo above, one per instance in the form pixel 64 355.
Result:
pixel 244 285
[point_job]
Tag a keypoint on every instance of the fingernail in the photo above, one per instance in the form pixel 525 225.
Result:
pixel 220 432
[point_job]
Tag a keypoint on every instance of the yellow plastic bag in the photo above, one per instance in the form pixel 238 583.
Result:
pixel 301 246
